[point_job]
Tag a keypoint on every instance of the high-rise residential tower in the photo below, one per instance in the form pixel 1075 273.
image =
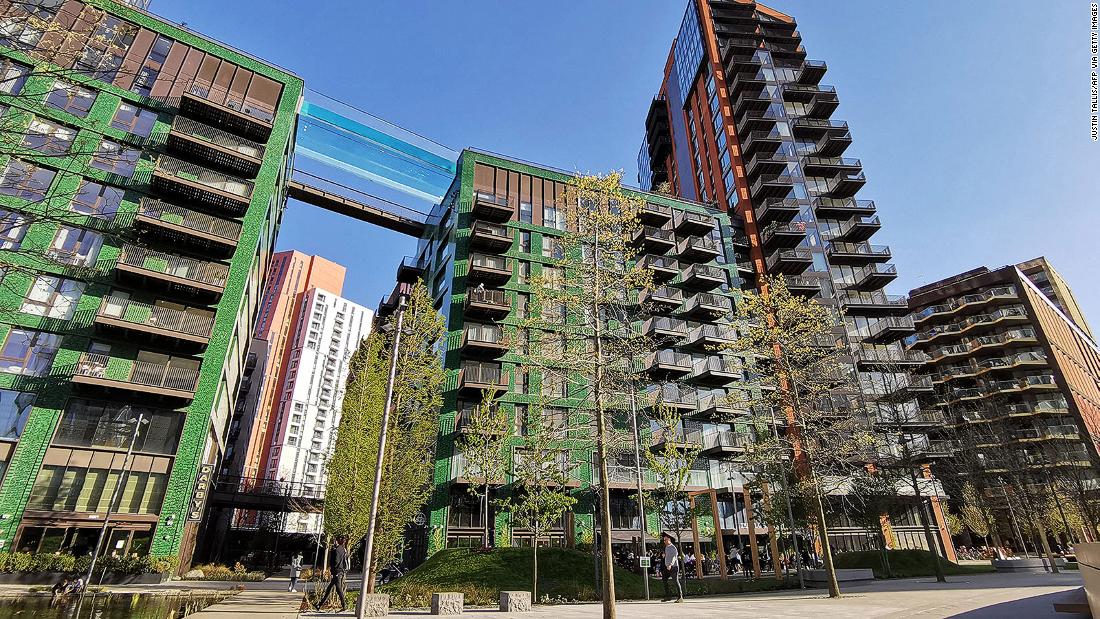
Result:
pixel 140 215
pixel 742 120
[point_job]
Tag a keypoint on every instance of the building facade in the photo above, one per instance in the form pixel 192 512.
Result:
pixel 140 214
pixel 742 120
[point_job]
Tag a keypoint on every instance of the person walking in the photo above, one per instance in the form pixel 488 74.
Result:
pixel 295 571
pixel 340 563
pixel 671 561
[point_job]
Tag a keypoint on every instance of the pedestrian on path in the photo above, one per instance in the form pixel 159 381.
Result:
pixel 295 571
pixel 341 563
pixel 672 569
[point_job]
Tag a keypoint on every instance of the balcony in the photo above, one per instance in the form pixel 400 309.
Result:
pixel 490 207
pixel 1000 294
pixel 935 450
pixel 215 148
pixel 771 186
pixel 873 303
pixel 765 166
pixel 710 337
pixel 484 341
pixel 155 322
pixel 741 60
pixel 874 277
pixel 490 270
pixel 733 13
pixel 777 210
pixel 833 144
pixel 803 285
pixel 249 120
pixel 873 358
pixel 843 209
pixel 191 183
pixel 751 100
pixel 911 421
pixel 888 329
pixel 667 364
pixel 655 215
pixel 1056 407
pixel 173 378
pixel 706 305
pixel 475 378
pixel 783 235
pixel 655 240
pixel 814 129
pixel 811 72
pixel 662 267
pixel 490 237
pixel 748 83
pixel 176 224
pixel 716 371
pixel 725 444
pixel 698 224
pixel 763 143
pixel 174 272
pixel 673 396
pixel 907 389
pixel 690 440
pixel 858 229
pixel 1012 362
pixel 719 406
pixel 487 303
pixel 831 166
pixel 823 105
pixel 856 253
pixel 757 122
pixel 663 298
pixel 704 277
pixel 789 261
pixel 665 327
pixel 844 185
pixel 697 249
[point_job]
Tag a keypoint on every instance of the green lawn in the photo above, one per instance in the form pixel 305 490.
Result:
pixel 564 576
pixel 904 563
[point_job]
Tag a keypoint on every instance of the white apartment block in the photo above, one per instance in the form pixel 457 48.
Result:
pixel 329 330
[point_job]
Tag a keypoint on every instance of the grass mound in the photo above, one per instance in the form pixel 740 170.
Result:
pixel 904 563
pixel 564 576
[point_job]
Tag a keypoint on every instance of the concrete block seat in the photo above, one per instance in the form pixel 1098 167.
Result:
pixel 449 603
pixel 515 601
pixel 819 579
pixel 376 604
pixel 1029 565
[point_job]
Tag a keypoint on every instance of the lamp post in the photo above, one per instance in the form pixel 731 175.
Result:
pixel 638 473
pixel 138 422
pixel 790 510
pixel 368 546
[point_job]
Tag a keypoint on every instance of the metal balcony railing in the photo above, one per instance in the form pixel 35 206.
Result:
pixel 193 220
pixel 128 310
pixel 144 373
pixel 203 176
pixel 217 137
pixel 210 273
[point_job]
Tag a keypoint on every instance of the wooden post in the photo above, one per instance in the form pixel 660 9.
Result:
pixel 719 540
pixel 695 537
pixel 752 533
pixel 887 530
pixel 773 543
pixel 941 522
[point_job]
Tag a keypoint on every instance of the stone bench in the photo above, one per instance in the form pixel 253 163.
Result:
pixel 819 579
pixel 375 604
pixel 1027 565
pixel 515 601
pixel 449 603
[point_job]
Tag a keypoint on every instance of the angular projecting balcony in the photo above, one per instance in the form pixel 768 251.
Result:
pixel 172 271
pixel 815 129
pixel 491 207
pixel 247 121
pixel 655 240
pixel 664 364
pixel 173 378
pixel 718 405
pixel 771 186
pixel 843 185
pixel 716 371
pixel 757 122
pixel 858 229
pixel 681 440
pixel 811 72
pixel 760 143
pixel 743 45
pixel 748 83
pixel 487 303
pixel 782 235
pixel 672 395
pixel 151 322
pixel 842 209
pixel 665 327
pixel 699 224
pixel 662 267
pixel 869 358
pixel 704 277
pixel 707 305
pixel 919 420
pixel 803 285
pixel 751 101
pixel 215 148
pixel 789 261
pixel 483 341
pixel 833 144
pixel 888 329
pixel 192 183
pixel 477 377
pixel 175 224
pixel 733 13
pixel 655 214
pixel 856 253
pixel 490 237
pixel 697 249
pixel 873 277
pixel 411 269
pixel 765 165
pixel 710 337
pixel 906 389
pixel 823 105
pixel 831 166
pixel 663 298
pixel 721 444
pixel 873 303
pixel 494 270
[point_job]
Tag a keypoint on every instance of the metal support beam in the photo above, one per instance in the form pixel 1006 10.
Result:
pixel 370 213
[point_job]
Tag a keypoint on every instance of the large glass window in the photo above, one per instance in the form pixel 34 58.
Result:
pixel 13 227
pixel 53 297
pixel 90 423
pixel 29 352
pixel 12 76
pixel 15 407
pixel 83 489
pixel 26 180
pixel 96 199
pixel 71 98
pixel 76 246
pixel 48 137
pixel 133 119
pixel 115 158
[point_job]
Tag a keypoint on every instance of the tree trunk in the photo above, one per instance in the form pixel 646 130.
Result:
pixel 1045 546
pixel 885 555
pixel 823 535
pixel 485 516
pixel 535 571
pixel 925 516
pixel 601 440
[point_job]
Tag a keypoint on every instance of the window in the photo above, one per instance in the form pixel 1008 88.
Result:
pixel 521 419
pixel 551 247
pixel 552 217
pixel 115 158
pixel 92 423
pixel 523 273
pixel 99 63
pixel 525 242
pixel 76 246
pixel 48 137
pixel 134 120
pixel 20 31
pixel 12 76
pixel 525 212
pixel 12 228
pixel 97 200
pixel 26 180
pixel 28 352
pixel 74 487
pixel 115 31
pixel 15 407
pixel 71 98
pixel 53 297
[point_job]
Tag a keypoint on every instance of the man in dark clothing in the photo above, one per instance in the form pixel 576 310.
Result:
pixel 670 561
pixel 340 563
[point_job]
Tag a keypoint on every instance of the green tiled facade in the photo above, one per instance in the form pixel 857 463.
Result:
pixel 233 298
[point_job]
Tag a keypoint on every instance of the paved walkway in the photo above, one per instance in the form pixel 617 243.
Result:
pixel 255 603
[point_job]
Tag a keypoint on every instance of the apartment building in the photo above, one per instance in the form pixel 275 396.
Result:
pixel 140 217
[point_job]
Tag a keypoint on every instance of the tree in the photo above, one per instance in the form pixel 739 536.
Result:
pixel 800 375
pixel 974 514
pixel 483 444
pixel 873 494
pixel 410 451
pixel 583 344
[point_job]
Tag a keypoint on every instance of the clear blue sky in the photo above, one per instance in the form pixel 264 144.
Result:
pixel 971 118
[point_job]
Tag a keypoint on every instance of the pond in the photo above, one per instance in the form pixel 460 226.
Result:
pixel 109 606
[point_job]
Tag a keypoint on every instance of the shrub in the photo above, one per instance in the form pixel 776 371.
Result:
pixel 53 563
pixel 238 573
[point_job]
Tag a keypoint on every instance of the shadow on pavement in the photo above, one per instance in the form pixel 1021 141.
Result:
pixel 1035 607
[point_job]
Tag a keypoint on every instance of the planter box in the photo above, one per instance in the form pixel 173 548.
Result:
pixel 49 578
pixel 1025 566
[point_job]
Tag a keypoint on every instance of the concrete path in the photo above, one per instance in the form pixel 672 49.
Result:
pixel 266 600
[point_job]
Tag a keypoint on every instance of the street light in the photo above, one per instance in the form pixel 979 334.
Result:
pixel 638 472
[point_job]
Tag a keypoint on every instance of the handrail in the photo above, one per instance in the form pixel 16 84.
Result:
pixel 194 220
pixel 146 314
pixel 197 174
pixel 212 273
pixel 194 128
pixel 146 373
